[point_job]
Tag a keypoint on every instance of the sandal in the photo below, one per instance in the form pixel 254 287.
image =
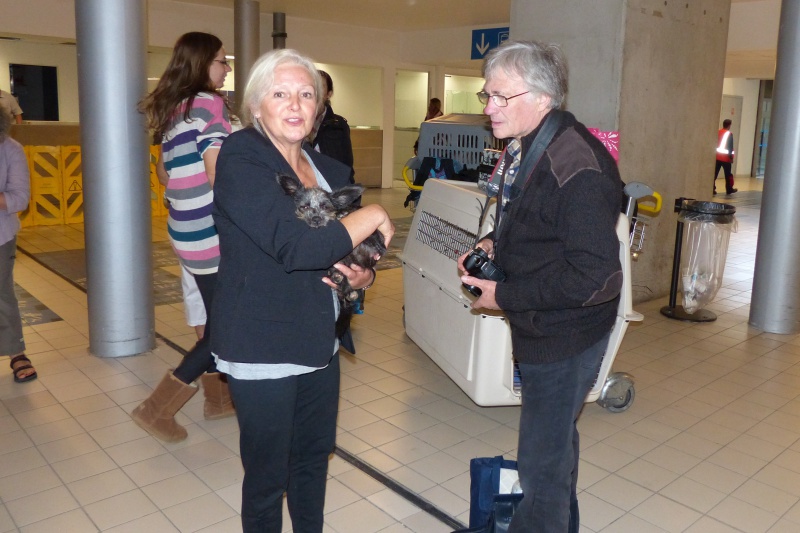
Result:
pixel 17 370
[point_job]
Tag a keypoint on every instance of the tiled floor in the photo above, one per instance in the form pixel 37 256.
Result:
pixel 711 443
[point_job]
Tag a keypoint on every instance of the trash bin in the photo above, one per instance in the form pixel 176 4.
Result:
pixel 701 247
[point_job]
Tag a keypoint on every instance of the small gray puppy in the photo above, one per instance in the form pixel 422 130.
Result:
pixel 316 207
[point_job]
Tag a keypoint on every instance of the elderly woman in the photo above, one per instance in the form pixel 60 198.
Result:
pixel 274 309
pixel 15 192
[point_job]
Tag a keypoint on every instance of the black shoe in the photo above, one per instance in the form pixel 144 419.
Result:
pixel 731 191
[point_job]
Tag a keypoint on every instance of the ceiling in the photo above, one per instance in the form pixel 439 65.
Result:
pixel 401 15
pixel 413 15
pixel 755 39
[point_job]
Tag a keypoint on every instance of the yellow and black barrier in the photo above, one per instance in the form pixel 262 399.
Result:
pixel 57 186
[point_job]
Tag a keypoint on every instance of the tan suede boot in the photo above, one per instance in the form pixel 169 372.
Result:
pixel 219 403
pixel 156 414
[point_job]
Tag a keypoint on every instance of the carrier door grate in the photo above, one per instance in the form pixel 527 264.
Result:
pixel 445 237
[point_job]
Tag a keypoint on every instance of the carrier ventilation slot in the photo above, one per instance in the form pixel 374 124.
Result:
pixel 442 236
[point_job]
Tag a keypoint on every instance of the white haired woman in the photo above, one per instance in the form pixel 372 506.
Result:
pixel 274 307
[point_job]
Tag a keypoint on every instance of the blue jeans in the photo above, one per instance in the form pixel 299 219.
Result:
pixel 287 433
pixel 552 398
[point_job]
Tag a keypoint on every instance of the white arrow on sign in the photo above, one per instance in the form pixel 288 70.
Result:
pixel 483 46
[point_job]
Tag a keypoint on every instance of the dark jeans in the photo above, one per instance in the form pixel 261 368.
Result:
pixel 728 175
pixel 287 433
pixel 199 358
pixel 552 398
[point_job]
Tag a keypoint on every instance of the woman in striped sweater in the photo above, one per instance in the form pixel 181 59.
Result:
pixel 190 115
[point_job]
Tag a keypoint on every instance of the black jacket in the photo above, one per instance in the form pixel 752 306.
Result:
pixel 270 305
pixel 558 246
pixel 333 139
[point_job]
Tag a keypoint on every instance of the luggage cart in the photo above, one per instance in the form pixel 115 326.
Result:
pixel 474 348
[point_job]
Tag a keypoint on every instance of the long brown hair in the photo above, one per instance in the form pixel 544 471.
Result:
pixel 185 76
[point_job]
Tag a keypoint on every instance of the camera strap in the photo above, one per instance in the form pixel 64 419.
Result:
pixel 528 164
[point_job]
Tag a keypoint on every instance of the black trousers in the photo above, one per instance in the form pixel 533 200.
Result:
pixel 728 175
pixel 287 433
pixel 199 359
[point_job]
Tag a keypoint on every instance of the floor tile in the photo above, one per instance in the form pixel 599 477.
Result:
pixel 120 509
pixel 41 505
pixel 199 513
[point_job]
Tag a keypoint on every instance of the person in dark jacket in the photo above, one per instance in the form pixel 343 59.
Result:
pixel 556 242
pixel 275 307
pixel 332 133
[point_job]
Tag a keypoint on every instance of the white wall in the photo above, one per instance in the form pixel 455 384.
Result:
pixel 365 59
pixel 754 25
pixel 357 93
pixel 748 90
pixel 411 98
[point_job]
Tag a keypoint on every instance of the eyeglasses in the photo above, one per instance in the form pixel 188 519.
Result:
pixel 223 62
pixel 498 99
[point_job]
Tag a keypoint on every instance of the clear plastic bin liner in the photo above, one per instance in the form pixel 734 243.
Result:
pixel 707 231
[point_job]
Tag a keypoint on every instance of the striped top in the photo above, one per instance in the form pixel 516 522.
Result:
pixel 191 227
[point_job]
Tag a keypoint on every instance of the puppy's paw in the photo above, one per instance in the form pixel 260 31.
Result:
pixel 336 276
pixel 351 296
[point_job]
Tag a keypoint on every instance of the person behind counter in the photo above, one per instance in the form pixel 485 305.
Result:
pixel 332 133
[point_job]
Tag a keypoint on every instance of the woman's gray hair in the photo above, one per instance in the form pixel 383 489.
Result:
pixel 5 123
pixel 262 76
pixel 542 67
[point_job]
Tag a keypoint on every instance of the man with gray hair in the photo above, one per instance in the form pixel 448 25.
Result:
pixel 560 195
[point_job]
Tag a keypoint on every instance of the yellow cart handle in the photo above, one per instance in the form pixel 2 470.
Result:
pixel 650 210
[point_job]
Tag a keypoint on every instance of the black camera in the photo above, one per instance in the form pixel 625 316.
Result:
pixel 478 265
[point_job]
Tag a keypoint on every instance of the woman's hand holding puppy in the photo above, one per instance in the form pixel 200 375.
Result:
pixel 357 276
pixel 362 222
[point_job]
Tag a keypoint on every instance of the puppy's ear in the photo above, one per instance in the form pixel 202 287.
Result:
pixel 290 184
pixel 346 196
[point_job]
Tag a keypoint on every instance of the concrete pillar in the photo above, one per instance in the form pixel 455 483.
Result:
pixel 652 70
pixel 246 44
pixel 111 46
pixel 387 162
pixel 776 282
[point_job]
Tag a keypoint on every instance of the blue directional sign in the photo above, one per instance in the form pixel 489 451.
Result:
pixel 486 39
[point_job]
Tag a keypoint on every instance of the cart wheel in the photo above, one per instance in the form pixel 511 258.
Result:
pixel 618 393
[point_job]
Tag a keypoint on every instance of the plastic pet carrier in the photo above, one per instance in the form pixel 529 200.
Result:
pixel 474 348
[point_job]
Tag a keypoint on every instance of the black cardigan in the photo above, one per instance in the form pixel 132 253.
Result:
pixel 333 138
pixel 558 246
pixel 270 305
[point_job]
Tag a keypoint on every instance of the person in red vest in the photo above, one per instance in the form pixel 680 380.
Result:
pixel 725 157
